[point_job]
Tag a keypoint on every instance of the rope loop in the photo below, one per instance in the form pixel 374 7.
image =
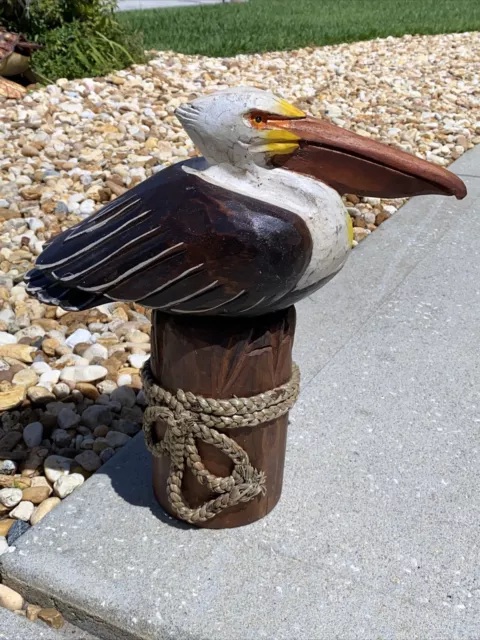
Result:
pixel 190 418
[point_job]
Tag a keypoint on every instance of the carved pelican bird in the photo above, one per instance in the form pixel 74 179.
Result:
pixel 253 226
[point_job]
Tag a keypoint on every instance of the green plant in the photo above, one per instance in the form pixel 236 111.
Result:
pixel 13 10
pixel 52 14
pixel 80 37
pixel 75 51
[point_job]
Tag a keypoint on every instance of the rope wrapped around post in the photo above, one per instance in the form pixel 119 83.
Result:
pixel 189 417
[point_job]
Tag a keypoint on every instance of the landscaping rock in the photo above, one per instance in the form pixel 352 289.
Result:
pixel 106 454
pixel 10 440
pixel 61 390
pixel 86 373
pixel 25 378
pixel 20 352
pixel 5 526
pixel 7 467
pixel 40 395
pixel 106 386
pixel 89 460
pixel 65 485
pixel 137 360
pixel 61 438
pixel 10 396
pixel 32 612
pixel 3 545
pixel 37 494
pixel 97 415
pixel 23 511
pixel 7 338
pixel 88 390
pixel 126 396
pixel 10 599
pixel 18 528
pixel 68 418
pixel 100 431
pixel 96 351
pixel 78 336
pixel 56 466
pixel 128 427
pixel 116 439
pixel 52 617
pixel 33 434
pixel 42 510
pixel 10 497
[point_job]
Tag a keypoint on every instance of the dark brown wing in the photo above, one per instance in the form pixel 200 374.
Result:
pixel 177 243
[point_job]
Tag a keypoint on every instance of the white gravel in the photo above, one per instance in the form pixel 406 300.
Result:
pixel 70 148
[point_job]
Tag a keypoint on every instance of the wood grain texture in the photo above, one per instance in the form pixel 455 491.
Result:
pixel 351 163
pixel 222 358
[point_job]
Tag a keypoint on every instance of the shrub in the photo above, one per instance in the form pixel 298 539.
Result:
pixel 80 37
pixel 12 11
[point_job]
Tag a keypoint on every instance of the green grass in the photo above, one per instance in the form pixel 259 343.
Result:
pixel 272 25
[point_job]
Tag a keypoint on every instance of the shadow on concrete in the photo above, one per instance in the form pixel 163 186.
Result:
pixel 130 474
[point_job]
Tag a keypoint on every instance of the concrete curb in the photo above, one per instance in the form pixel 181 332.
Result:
pixel 376 531
pixel 15 627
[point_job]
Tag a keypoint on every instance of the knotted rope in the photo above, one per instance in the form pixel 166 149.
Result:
pixel 190 417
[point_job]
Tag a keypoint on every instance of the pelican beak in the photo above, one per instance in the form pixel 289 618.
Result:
pixel 354 164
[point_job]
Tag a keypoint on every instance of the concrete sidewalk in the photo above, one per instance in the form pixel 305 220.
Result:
pixel 376 534
pixel 130 5
pixel 16 627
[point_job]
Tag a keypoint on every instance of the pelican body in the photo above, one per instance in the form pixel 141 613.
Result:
pixel 251 227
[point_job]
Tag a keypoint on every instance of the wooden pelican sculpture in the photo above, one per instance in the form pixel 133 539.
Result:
pixel 221 247
pixel 252 227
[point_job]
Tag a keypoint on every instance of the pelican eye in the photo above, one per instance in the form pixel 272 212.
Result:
pixel 257 119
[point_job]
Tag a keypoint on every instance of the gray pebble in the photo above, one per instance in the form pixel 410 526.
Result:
pixel 55 407
pixel 61 438
pixel 106 454
pixel 126 426
pixel 95 415
pixel 18 528
pixel 87 443
pixel 89 460
pixel 126 396
pixel 50 173
pixel 116 439
pixel 8 467
pixel 61 207
pixel 33 434
pixel 84 431
pixel 67 419
pixel 134 413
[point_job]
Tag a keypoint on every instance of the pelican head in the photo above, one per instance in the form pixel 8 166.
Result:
pixel 247 127
pixel 232 126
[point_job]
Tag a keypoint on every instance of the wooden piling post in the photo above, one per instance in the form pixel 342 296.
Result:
pixel 225 358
